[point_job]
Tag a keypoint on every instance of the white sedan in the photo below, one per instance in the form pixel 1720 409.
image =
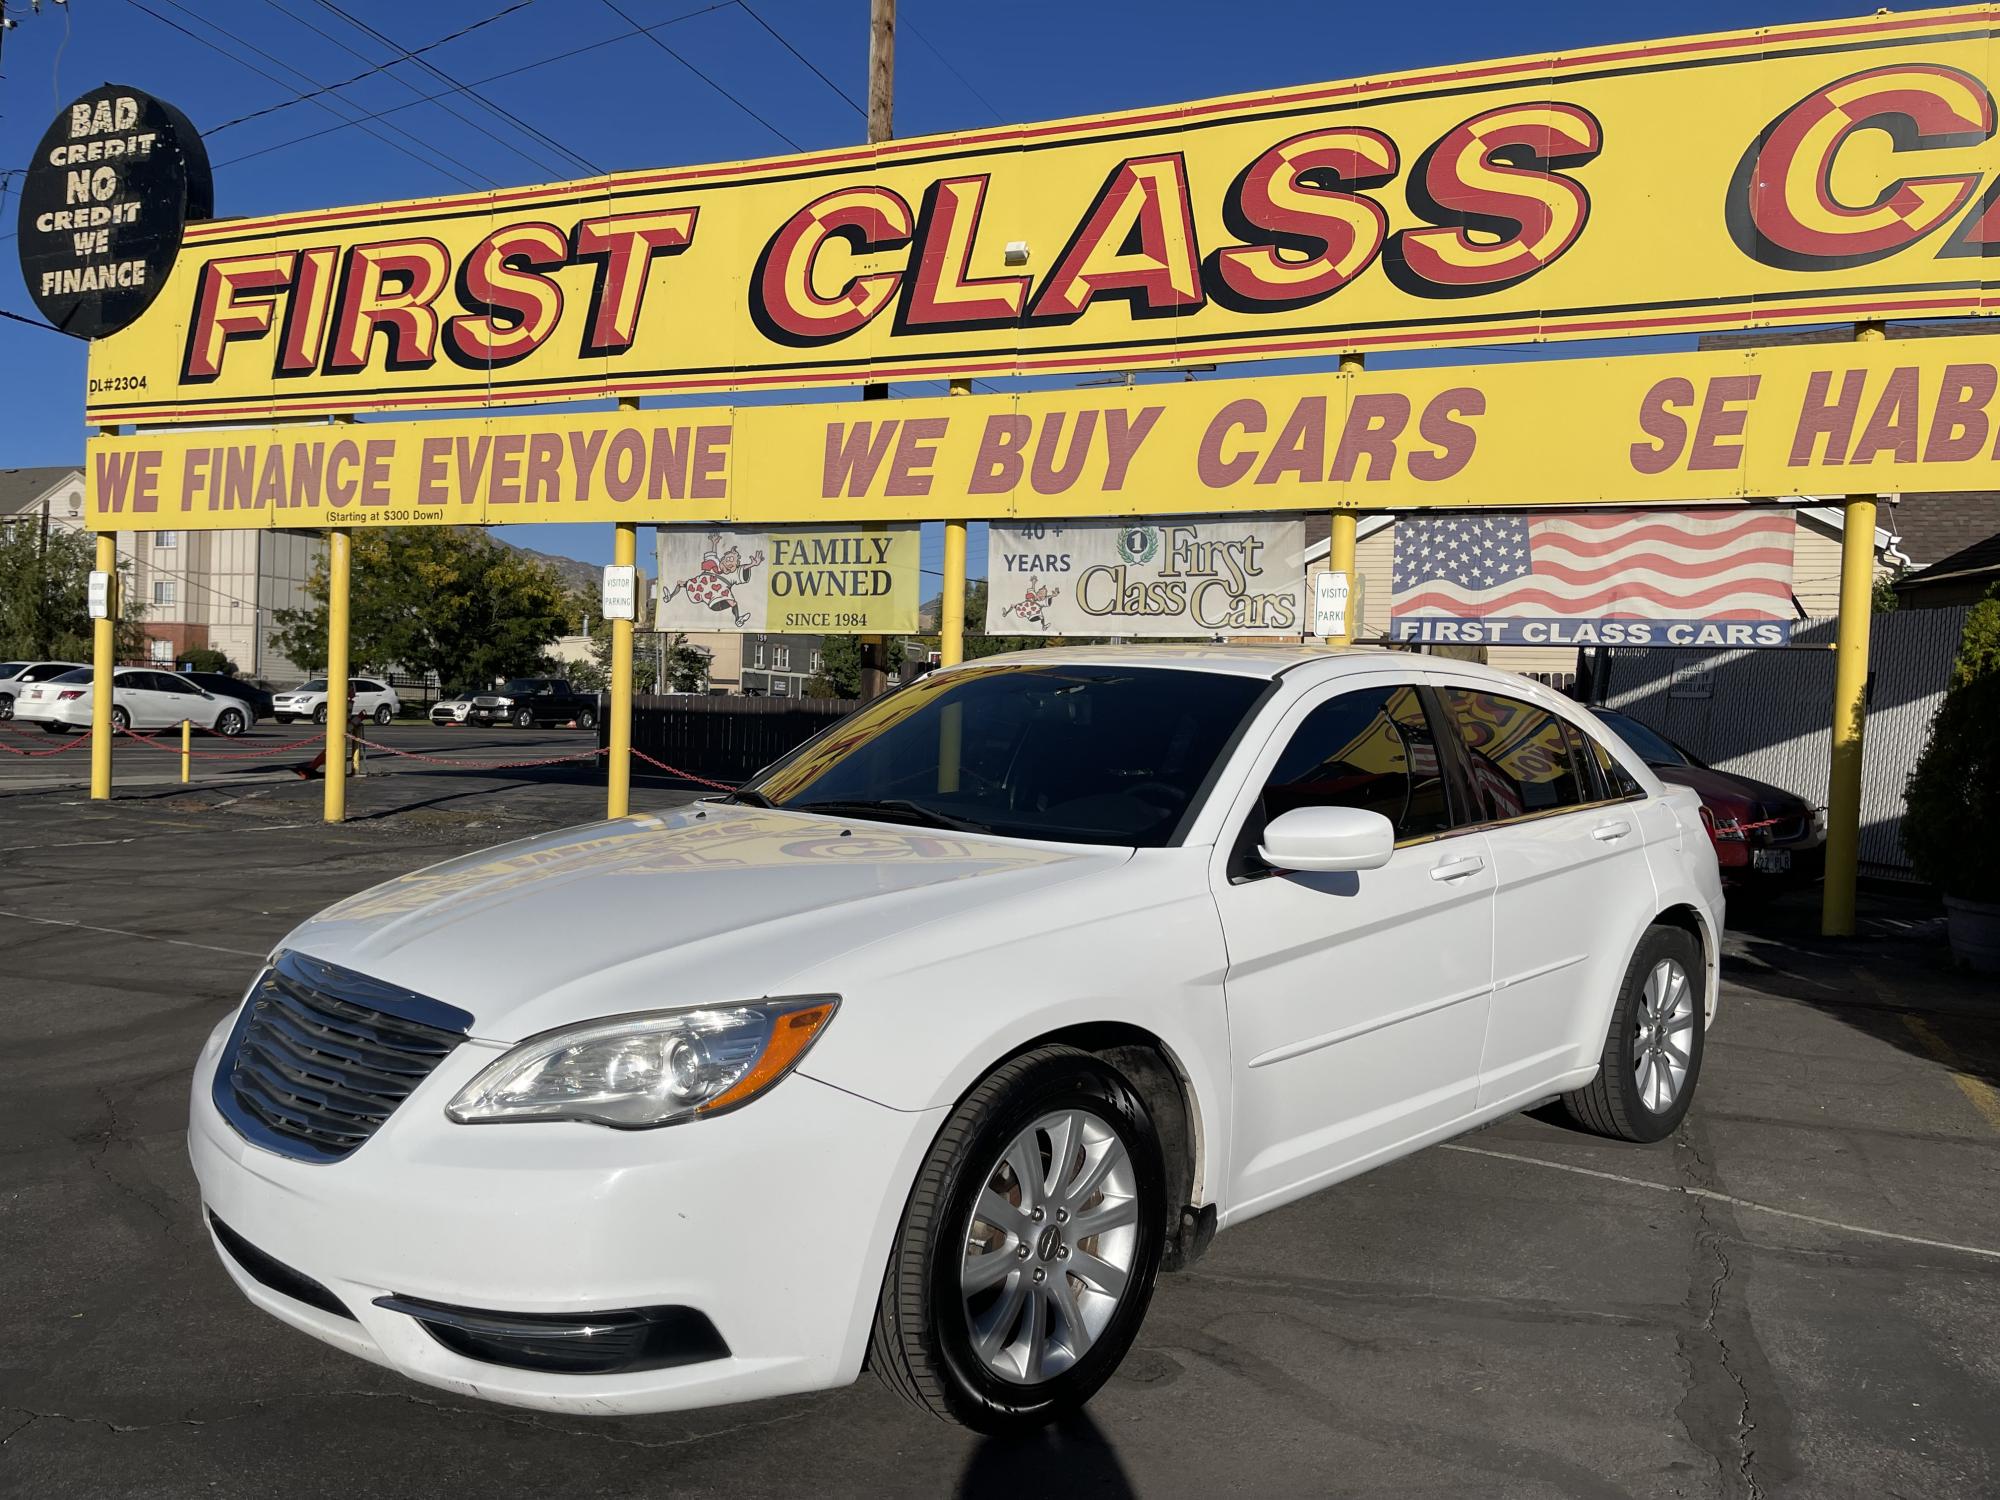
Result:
pixel 367 698
pixel 141 698
pixel 932 1045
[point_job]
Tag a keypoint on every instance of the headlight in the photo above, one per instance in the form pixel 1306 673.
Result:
pixel 639 1071
pixel 503 702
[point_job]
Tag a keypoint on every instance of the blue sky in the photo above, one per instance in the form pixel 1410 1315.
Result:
pixel 620 101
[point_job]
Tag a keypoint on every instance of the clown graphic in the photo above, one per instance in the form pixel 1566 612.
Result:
pixel 1033 608
pixel 722 573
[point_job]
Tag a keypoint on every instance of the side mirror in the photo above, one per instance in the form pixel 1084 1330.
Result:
pixel 1322 840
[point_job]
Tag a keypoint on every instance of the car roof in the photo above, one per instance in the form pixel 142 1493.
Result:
pixel 1267 659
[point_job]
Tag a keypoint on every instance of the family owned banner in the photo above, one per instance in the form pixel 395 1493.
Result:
pixel 1198 576
pixel 827 580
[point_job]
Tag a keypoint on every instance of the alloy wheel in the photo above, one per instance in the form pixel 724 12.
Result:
pixel 1050 1246
pixel 1661 1052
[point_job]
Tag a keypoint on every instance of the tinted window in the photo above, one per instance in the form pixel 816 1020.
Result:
pixel 520 687
pixel 47 671
pixel 1646 744
pixel 1371 749
pixel 317 685
pixel 1094 754
pixel 1617 780
pixel 167 682
pixel 74 674
pixel 1521 758
pixel 9 669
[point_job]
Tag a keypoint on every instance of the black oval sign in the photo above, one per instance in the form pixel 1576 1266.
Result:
pixel 103 204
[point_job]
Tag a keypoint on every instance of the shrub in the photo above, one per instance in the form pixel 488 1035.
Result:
pixel 1951 829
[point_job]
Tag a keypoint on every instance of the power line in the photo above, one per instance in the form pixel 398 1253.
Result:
pixel 498 110
pixel 242 62
pixel 616 10
pixel 14 317
pixel 537 163
pixel 334 88
pixel 855 104
pixel 528 67
pixel 911 27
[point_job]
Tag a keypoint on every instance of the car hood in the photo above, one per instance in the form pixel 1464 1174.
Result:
pixel 701 905
pixel 1709 783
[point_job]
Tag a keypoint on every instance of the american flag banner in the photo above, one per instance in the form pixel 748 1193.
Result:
pixel 1630 577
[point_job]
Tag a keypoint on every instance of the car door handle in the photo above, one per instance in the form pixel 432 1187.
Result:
pixel 1458 869
pixel 1604 833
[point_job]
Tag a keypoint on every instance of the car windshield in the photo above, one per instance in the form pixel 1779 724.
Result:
pixel 1090 754
pixel 75 674
pixel 317 685
pixel 1649 746
pixel 520 687
pixel 11 669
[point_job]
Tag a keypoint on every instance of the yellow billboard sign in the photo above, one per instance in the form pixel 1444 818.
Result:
pixel 1882 416
pixel 1826 171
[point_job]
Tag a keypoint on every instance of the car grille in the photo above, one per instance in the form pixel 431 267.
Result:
pixel 321 1056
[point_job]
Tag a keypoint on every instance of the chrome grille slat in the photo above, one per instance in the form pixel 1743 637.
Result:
pixel 320 1057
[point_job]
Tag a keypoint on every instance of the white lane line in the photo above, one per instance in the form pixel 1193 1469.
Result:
pixel 164 833
pixel 147 937
pixel 1715 1197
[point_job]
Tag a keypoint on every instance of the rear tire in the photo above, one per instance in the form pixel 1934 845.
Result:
pixel 120 720
pixel 1651 1062
pixel 524 719
pixel 587 719
pixel 383 713
pixel 282 718
pixel 7 707
pixel 1052 1310
pixel 229 723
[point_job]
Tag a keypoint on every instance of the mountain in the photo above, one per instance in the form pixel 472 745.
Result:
pixel 575 573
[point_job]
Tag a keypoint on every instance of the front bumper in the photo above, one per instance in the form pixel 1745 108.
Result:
pixel 774 1222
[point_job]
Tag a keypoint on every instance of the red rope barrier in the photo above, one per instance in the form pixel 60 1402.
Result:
pixel 720 786
pixel 268 750
pixel 38 754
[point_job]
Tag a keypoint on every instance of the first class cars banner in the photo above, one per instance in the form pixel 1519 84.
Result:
pixel 1216 575
pixel 1826 171
pixel 828 580
pixel 1876 417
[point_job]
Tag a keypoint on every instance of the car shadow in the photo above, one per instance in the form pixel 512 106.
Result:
pixel 1072 1458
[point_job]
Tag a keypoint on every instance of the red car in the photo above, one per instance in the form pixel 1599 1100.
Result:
pixel 1763 835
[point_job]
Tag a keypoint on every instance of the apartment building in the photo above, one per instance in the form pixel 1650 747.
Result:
pixel 220 589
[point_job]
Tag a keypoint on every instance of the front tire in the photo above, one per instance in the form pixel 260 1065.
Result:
pixel 524 719
pixel 282 718
pixel 1028 1248
pixel 1651 1061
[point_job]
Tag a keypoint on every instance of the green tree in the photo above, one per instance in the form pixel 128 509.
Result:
pixel 443 599
pixel 1979 646
pixel 977 642
pixel 45 596
pixel 208 659
pixel 839 674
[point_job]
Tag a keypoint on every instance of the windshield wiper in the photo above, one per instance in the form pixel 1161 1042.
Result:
pixel 892 810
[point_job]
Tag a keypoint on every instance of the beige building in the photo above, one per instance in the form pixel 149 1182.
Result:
pixel 220 589
pixel 757 665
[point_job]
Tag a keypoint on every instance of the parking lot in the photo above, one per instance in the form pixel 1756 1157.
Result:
pixel 1799 1294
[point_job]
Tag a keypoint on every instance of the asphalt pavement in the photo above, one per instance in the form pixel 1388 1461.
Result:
pixel 1799 1294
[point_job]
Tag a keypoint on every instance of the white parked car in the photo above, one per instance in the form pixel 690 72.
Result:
pixel 17 676
pixel 141 698
pixel 368 697
pixel 935 1043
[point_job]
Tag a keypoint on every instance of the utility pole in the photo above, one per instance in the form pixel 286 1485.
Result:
pixel 881 127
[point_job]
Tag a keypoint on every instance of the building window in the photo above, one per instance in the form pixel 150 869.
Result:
pixel 784 661
pixel 813 662
pixel 757 655
pixel 166 539
pixel 163 591
pixel 158 650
